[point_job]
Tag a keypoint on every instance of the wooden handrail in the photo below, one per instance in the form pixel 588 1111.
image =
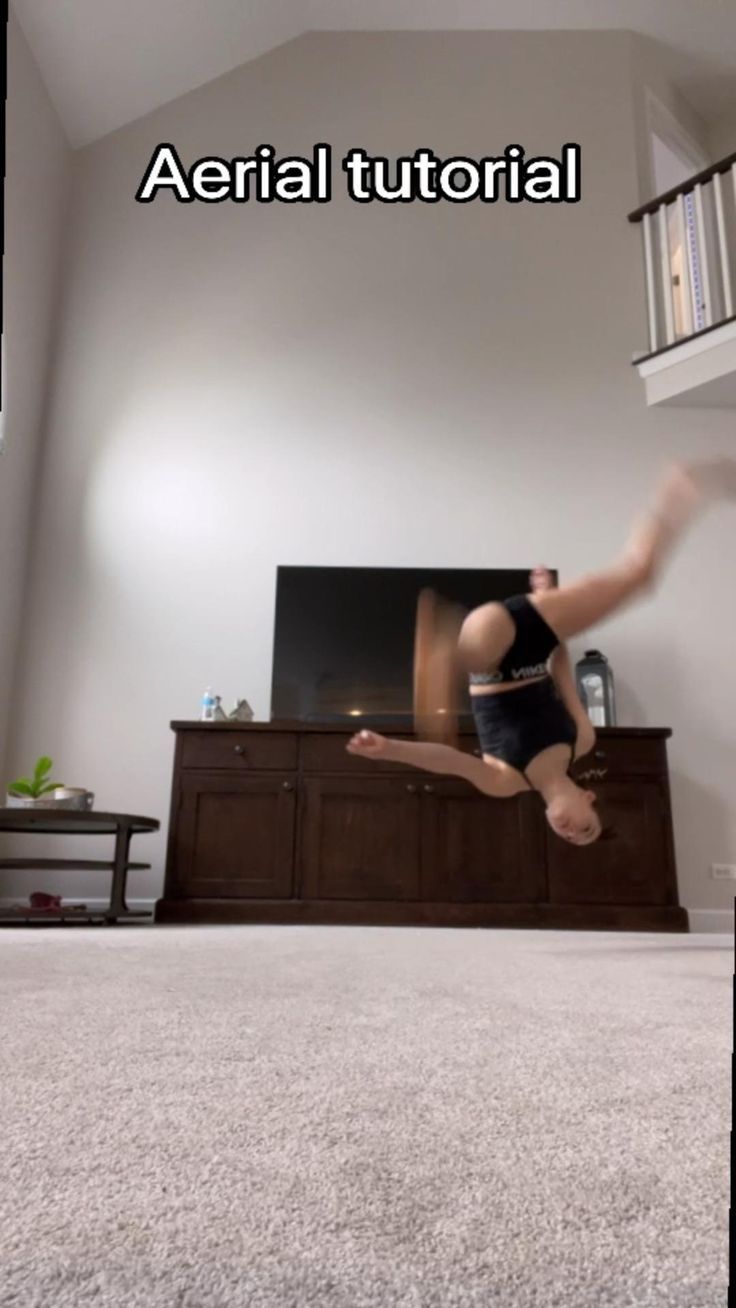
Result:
pixel 652 206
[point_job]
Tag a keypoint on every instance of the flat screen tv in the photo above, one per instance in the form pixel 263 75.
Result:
pixel 344 637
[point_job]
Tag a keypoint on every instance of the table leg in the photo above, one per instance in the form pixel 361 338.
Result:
pixel 117 893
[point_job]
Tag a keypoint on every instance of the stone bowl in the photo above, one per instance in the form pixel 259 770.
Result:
pixel 63 797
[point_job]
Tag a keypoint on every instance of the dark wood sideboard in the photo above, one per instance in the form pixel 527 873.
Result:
pixel 275 822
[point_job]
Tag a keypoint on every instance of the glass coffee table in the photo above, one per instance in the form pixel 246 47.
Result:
pixel 71 822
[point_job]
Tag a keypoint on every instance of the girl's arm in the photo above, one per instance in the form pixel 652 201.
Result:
pixel 564 679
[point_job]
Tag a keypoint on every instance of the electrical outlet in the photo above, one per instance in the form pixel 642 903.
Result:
pixel 723 871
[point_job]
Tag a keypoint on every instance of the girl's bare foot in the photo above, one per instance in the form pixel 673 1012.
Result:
pixel 683 488
pixel 687 486
pixel 369 744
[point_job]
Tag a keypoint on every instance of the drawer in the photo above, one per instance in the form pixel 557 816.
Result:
pixel 328 754
pixel 623 757
pixel 238 749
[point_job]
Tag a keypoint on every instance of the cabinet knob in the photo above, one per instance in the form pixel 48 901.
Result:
pixel 287 785
pixel 429 790
pixel 599 753
pixel 239 749
pixel 411 787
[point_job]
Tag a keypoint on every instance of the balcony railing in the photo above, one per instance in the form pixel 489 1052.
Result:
pixel 689 238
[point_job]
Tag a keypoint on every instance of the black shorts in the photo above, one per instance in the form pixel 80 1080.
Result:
pixel 516 725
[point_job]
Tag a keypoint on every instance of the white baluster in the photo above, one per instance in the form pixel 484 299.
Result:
pixel 664 254
pixel 651 291
pixel 686 297
pixel 723 247
pixel 703 256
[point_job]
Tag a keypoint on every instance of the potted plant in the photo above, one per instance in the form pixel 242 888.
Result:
pixel 36 791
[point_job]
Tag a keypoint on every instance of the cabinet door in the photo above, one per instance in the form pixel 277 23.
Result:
pixel 632 868
pixel 360 838
pixel 235 836
pixel 477 849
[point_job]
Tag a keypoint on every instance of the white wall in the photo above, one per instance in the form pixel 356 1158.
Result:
pixel 242 386
pixel 35 189
pixel 722 136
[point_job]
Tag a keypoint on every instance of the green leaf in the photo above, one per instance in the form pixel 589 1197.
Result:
pixel 37 785
pixel 21 787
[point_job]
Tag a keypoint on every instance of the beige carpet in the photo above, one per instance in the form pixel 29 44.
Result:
pixel 294 1116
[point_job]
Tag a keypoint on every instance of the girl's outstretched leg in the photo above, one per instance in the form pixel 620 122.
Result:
pixel 685 489
pixel 427 755
pixel 487 775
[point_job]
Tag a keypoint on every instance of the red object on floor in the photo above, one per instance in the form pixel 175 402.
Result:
pixel 39 899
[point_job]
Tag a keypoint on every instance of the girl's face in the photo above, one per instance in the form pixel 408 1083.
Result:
pixel 572 817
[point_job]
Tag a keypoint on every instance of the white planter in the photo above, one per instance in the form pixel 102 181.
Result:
pixel 21 801
pixel 81 800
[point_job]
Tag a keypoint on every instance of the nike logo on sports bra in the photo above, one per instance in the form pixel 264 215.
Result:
pixel 517 674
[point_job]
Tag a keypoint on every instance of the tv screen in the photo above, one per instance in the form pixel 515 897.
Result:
pixel 344 637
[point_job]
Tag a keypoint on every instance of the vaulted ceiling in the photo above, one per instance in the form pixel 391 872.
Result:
pixel 108 62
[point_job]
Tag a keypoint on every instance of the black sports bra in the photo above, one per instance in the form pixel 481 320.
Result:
pixel 533 643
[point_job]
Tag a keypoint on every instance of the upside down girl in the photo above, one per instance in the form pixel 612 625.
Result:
pixel 530 722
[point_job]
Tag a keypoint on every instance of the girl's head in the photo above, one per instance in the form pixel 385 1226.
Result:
pixel 572 815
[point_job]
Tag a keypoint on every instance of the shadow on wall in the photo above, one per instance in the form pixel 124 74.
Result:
pixel 695 802
pixel 630 710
